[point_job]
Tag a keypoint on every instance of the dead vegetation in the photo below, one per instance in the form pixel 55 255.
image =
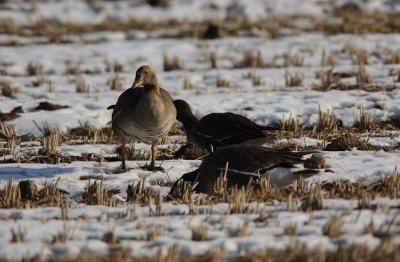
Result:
pixel 272 26
pixel 256 80
pixel 8 89
pixel 47 106
pixel 222 82
pixel 172 63
pixel 250 59
pixel 347 142
pixel 293 79
pixel 364 121
pixel 81 85
pixel 187 84
pixel 13 114
pixel 96 194
pixel 115 83
pixel 26 194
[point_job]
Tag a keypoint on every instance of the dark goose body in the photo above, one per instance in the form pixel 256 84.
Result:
pixel 245 163
pixel 220 129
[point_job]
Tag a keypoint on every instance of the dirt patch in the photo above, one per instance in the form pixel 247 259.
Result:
pixel 49 106
pixel 13 114
pixel 348 142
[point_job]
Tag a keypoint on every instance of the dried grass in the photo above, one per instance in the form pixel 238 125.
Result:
pixel 80 85
pixel 333 228
pixel 8 89
pixel 115 83
pixel 172 63
pixel 200 233
pixel 96 194
pixel 364 121
pixel 222 82
pixel 251 60
pixel 293 79
pixel 34 69
pixel 187 84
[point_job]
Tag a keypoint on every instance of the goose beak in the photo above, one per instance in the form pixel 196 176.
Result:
pixel 137 84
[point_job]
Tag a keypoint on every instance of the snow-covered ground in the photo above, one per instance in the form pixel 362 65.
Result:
pixel 267 103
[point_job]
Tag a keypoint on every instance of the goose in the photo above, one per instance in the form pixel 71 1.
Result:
pixel 144 112
pixel 245 163
pixel 220 129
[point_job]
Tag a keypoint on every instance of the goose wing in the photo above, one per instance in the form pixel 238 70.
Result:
pixel 127 100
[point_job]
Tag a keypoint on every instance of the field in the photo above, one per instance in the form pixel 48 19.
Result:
pixel 326 72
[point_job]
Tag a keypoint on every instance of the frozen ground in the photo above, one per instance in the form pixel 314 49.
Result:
pixel 135 226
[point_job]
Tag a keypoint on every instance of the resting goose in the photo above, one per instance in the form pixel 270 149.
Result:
pixel 245 163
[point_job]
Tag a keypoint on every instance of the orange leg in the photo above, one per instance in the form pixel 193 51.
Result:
pixel 153 155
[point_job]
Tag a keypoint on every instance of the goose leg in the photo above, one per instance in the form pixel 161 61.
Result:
pixel 123 155
pixel 153 155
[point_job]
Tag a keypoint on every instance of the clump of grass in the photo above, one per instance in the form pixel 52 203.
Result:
pixel 96 194
pixel 18 235
pixel 62 236
pixel 291 230
pixel 314 200
pixel 333 228
pixel 72 68
pixel 115 83
pixel 363 76
pixel 8 89
pixel 290 124
pixel 293 79
pixel 7 132
pixel 51 138
pixel 222 82
pixel 327 59
pixel 327 121
pixel 256 80
pixel 251 60
pixel 109 237
pixel 80 85
pixel 293 59
pixel 187 84
pixel 243 230
pixel 24 194
pixel 213 60
pixel 154 232
pixel 115 66
pixel 138 193
pixel 34 69
pixel 172 63
pixel 364 121
pixel 327 80
pixel 200 233
pixel 394 58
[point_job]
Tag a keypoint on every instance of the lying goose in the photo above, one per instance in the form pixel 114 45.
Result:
pixel 245 163
pixel 220 129
pixel 144 112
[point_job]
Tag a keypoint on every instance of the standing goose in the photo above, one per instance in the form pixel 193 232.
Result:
pixel 246 163
pixel 220 129
pixel 144 112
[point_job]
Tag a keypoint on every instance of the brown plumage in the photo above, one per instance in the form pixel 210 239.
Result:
pixel 220 129
pixel 246 163
pixel 144 112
